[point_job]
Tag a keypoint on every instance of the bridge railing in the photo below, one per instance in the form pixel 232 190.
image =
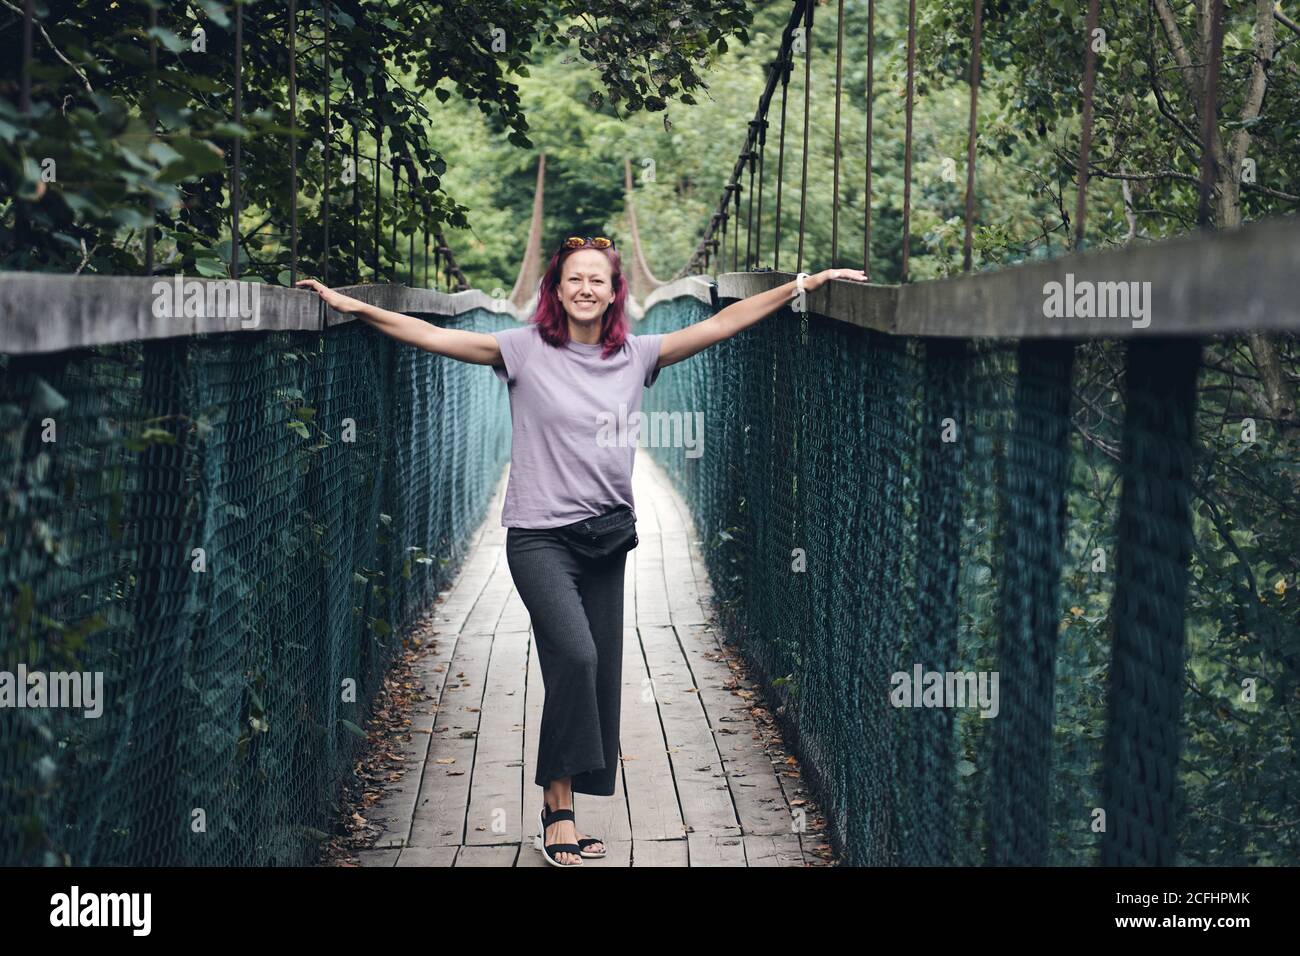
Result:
pixel 911 492
pixel 219 530
pixel 1070 476
pixel 1005 474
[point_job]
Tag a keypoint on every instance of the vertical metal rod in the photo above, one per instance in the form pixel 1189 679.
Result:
pixel 735 232
pixel 907 136
pixel 866 190
pixel 970 143
pixel 153 129
pixel 379 171
pixel 725 206
pixel 786 64
pixel 1210 114
pixel 293 141
pixel 426 250
pixel 807 110
pixel 749 223
pixel 835 188
pixel 410 243
pixel 239 115
pixel 758 224
pixel 397 180
pixel 25 95
pixel 325 203
pixel 356 204
pixel 722 250
pixel 1085 138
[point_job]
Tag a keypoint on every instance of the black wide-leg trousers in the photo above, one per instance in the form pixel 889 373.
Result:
pixel 576 606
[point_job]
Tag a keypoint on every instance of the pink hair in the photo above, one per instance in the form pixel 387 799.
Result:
pixel 553 322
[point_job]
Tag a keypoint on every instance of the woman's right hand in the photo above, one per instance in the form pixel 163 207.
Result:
pixel 335 300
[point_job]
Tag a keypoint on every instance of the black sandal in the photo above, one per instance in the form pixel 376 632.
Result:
pixel 585 842
pixel 545 817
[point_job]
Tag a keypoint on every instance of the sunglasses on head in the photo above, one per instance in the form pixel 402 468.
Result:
pixel 578 242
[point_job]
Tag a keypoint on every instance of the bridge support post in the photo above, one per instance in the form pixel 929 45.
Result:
pixel 1033 504
pixel 166 591
pixel 927 809
pixel 878 375
pixel 1153 547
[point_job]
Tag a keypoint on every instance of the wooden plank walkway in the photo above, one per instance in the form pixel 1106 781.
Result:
pixel 697 785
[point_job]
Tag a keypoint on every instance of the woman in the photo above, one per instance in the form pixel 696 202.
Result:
pixel 568 369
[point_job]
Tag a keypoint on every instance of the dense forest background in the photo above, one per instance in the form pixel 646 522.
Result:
pixel 101 146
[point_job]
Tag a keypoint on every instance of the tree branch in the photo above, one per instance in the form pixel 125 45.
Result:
pixel 1254 95
pixel 1175 174
pixel 1174 37
pixel 57 52
pixel 1286 21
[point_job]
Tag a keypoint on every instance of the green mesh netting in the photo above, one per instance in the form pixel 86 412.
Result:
pixel 942 495
pixel 868 503
pixel 331 480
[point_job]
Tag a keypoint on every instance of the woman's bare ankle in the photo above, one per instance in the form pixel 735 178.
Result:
pixel 559 794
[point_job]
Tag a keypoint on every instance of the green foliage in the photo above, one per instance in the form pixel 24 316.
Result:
pixel 112 146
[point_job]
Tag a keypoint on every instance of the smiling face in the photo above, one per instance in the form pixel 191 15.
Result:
pixel 586 285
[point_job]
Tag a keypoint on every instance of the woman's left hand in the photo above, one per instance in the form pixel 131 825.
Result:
pixel 819 279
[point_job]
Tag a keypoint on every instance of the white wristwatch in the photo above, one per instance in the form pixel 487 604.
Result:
pixel 798 284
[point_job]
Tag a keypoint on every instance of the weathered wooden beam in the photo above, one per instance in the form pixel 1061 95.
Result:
pixel 1204 284
pixel 1209 283
pixel 44 312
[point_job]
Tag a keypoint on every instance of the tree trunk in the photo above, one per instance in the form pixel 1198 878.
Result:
pixel 1278 389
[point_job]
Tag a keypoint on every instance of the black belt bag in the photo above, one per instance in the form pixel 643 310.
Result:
pixel 602 536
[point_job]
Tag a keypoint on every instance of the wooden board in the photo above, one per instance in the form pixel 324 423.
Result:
pixel 695 785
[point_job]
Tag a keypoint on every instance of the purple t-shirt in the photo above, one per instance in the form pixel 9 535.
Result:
pixel 573 440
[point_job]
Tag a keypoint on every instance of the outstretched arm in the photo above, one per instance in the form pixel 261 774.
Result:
pixel 479 348
pixel 684 343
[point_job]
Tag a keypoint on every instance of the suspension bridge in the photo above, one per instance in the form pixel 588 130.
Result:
pixel 241 518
